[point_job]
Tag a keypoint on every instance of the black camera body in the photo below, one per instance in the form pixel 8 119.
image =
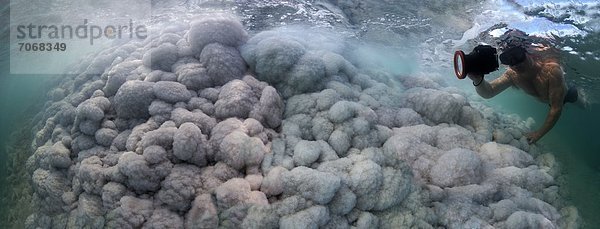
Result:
pixel 482 60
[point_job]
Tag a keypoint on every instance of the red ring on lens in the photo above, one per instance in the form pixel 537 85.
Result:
pixel 461 55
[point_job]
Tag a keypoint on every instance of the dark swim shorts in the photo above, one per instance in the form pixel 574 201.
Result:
pixel 571 95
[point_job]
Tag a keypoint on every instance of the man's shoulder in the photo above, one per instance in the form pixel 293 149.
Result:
pixel 552 67
pixel 553 72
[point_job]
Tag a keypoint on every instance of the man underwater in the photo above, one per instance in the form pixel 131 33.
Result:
pixel 534 68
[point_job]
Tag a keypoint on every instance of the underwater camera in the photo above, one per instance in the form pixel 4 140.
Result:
pixel 482 60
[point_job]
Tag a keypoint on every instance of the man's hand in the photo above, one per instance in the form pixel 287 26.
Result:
pixel 533 137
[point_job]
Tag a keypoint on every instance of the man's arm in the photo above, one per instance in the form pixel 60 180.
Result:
pixel 556 92
pixel 489 90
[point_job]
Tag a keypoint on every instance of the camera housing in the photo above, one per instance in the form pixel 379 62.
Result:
pixel 482 60
pixel 513 56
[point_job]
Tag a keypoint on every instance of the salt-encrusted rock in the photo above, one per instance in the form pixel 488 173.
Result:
pixel 189 144
pixel 211 94
pixel 179 187
pixel 311 184
pixel 341 111
pixel 158 107
pixel 155 154
pixel 89 127
pixel 238 150
pixel 321 128
pixel 112 192
pixel 213 176
pixel 158 75
pixel 192 74
pixel 273 182
pixel 503 209
pixel 132 146
pixel 81 143
pixel 344 90
pixel 257 198
pixel 535 205
pixel 88 212
pixel 235 100
pixel 271 58
pixel 255 181
pixel 269 110
pixel 140 176
pixel 395 188
pixel 252 127
pixel 299 104
pixel 203 104
pixel 313 217
pixel 162 136
pixel 56 156
pixel 326 98
pixel 49 186
pixel 306 75
pixel 133 99
pixel 457 167
pixel 232 192
pixel 531 178
pixel 411 143
pixel 522 219
pixel 171 92
pixel 222 129
pixel 306 152
pixel 501 155
pixel 217 28
pixel 118 74
pixel 91 175
pixel 222 63
pixel 256 85
pixel 93 109
pixel 164 218
pixel 299 126
pixel 502 137
pixel 455 137
pixel 343 202
pixel 458 213
pixel 366 177
pixel 105 136
pixel 398 117
pixel 203 213
pixel 132 213
pixel 423 82
pixel 367 220
pixel 437 106
pixel 339 141
pixel 203 121
pixel 260 216
pixel 161 57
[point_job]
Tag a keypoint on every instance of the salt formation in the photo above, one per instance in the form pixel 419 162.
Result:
pixel 203 127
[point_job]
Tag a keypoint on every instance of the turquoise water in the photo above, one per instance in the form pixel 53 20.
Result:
pixel 21 98
pixel 574 141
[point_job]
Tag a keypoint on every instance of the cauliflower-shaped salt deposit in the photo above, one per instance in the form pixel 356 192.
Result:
pixel 199 127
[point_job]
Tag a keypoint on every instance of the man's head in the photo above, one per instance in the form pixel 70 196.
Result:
pixel 513 45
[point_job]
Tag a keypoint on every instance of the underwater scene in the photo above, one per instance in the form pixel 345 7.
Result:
pixel 300 114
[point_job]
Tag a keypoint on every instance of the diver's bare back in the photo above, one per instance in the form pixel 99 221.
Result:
pixel 536 81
